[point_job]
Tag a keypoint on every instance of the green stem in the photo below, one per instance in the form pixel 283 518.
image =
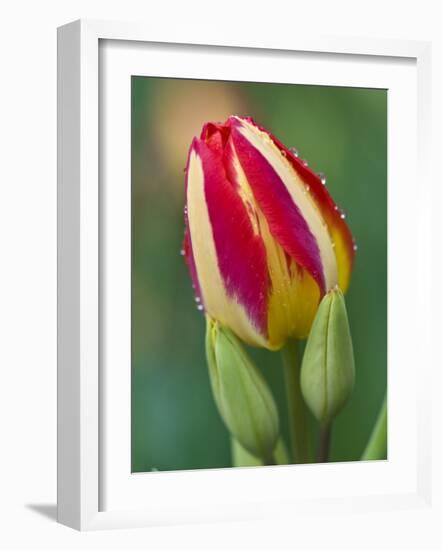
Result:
pixel 270 461
pixel 324 442
pixel 299 437
pixel 377 444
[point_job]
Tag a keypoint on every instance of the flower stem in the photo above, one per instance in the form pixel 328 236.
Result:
pixel 299 436
pixel 270 461
pixel 376 448
pixel 324 443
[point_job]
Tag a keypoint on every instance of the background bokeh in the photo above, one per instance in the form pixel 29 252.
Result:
pixel 341 132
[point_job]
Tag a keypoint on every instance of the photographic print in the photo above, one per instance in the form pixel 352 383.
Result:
pixel 259 274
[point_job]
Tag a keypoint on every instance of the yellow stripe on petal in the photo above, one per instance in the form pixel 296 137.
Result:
pixel 294 296
pixel 294 317
pixel 344 258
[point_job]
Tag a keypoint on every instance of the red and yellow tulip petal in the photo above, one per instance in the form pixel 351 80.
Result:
pixel 293 216
pixel 286 221
pixel 333 217
pixel 294 294
pixel 229 257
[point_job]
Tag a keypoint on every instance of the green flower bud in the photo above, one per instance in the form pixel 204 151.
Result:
pixel 242 396
pixel 327 371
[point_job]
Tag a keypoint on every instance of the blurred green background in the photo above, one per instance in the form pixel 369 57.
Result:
pixel 339 131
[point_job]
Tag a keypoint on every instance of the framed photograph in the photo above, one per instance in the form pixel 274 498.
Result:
pixel 235 222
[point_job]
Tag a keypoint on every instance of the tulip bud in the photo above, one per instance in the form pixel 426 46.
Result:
pixel 264 241
pixel 242 396
pixel 327 371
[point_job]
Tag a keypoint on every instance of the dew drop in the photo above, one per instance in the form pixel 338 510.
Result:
pixel 336 207
pixel 305 163
pixel 197 299
pixel 342 215
pixel 307 187
pixel 322 178
pixel 185 210
pixel 182 252
pixel 355 247
pixel 199 307
pixel 294 151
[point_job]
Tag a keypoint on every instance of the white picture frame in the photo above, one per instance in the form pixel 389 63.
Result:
pixel 95 492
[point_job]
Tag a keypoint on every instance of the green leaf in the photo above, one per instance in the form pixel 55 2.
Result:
pixel 327 371
pixel 377 445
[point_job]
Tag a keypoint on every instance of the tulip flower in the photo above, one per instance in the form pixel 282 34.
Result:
pixel 264 240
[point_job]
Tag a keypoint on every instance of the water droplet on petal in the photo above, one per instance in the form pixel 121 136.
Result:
pixel 322 178
pixel 305 163
pixel 342 215
pixel 199 307
pixel 355 247
pixel 182 252
pixel 197 299
pixel 294 151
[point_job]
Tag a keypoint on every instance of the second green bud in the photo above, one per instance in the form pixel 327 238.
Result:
pixel 328 372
